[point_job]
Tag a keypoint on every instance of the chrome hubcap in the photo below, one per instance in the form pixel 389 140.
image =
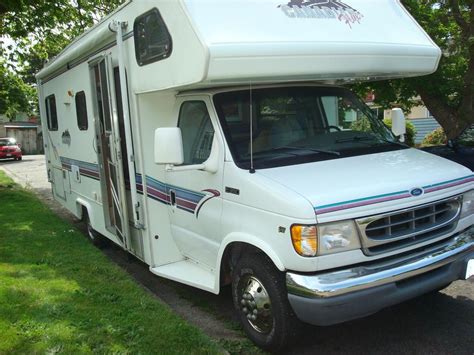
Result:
pixel 255 304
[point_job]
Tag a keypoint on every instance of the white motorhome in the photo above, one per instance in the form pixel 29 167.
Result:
pixel 213 141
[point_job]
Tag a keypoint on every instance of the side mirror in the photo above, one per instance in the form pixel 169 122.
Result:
pixel 399 125
pixel 19 145
pixel 169 152
pixel 168 146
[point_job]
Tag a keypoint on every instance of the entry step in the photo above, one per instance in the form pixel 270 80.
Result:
pixel 189 273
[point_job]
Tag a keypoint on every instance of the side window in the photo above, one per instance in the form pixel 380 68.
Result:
pixel 197 131
pixel 51 113
pixel 152 39
pixel 81 111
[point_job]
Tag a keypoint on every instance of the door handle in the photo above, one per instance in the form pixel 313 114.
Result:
pixel 173 198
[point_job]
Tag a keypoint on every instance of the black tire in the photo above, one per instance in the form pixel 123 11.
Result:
pixel 275 324
pixel 94 237
pixel 20 158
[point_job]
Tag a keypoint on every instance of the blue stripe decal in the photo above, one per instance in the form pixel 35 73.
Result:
pixel 186 200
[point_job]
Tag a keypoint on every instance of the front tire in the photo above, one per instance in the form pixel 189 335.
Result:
pixel 261 301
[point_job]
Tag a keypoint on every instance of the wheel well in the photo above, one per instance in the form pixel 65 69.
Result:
pixel 232 254
pixel 82 211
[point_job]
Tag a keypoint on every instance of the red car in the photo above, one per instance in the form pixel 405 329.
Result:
pixel 10 149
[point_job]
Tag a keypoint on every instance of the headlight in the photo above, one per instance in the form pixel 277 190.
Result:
pixel 338 237
pixel 305 240
pixel 467 204
pixel 324 239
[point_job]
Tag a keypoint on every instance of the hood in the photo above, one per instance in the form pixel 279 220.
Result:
pixel 375 183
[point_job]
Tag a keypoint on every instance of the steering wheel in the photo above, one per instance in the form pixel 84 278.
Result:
pixel 334 127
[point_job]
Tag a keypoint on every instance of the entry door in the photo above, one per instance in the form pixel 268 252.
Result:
pixel 109 151
pixel 195 196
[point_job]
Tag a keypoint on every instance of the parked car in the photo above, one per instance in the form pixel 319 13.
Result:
pixel 460 149
pixel 10 149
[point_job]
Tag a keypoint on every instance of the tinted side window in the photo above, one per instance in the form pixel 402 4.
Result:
pixel 51 113
pixel 81 111
pixel 152 39
pixel 197 131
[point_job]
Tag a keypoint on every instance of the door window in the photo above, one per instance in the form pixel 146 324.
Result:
pixel 197 131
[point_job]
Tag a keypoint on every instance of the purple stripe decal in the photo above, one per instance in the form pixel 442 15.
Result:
pixel 88 171
pixel 427 190
pixel 158 194
pixel 362 203
pixel 186 204
pixel 183 203
pixel 442 187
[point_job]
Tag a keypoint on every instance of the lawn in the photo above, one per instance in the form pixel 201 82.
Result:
pixel 60 294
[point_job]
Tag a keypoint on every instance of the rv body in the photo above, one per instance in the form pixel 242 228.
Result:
pixel 340 230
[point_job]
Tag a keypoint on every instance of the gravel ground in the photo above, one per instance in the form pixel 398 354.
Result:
pixel 439 323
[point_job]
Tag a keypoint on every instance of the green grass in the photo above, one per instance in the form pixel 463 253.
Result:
pixel 60 294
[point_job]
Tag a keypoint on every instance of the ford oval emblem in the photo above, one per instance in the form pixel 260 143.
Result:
pixel 416 192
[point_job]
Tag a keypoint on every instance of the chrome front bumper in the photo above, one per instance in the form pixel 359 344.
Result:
pixel 383 283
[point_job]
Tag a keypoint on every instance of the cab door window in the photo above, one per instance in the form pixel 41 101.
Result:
pixel 197 132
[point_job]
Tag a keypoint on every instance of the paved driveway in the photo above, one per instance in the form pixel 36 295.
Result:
pixel 29 172
pixel 440 323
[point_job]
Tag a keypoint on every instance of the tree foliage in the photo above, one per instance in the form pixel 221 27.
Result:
pixel 39 30
pixel 15 95
pixel 448 93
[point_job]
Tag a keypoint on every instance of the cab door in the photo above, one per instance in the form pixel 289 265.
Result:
pixel 195 201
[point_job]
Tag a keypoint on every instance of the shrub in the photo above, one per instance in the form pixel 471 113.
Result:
pixel 411 131
pixel 437 137
pixel 364 126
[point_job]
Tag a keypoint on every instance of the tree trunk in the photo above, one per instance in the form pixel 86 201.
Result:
pixel 453 121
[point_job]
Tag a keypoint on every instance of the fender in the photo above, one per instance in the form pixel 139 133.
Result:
pixel 248 239
pixel 82 203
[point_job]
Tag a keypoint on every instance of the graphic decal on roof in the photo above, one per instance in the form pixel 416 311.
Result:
pixel 86 169
pixel 186 200
pixel 391 196
pixel 322 9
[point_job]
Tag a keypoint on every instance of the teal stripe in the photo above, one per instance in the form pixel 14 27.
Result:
pixel 362 199
pixel 177 188
pixel 448 182
pixel 391 194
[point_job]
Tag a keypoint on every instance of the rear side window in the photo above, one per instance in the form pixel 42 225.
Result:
pixel 51 113
pixel 152 39
pixel 81 111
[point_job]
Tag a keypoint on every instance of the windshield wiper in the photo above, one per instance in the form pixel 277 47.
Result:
pixel 354 139
pixel 365 138
pixel 322 151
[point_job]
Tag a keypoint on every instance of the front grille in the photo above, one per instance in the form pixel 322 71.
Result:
pixel 383 233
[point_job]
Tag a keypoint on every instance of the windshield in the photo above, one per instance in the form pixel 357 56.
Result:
pixel 295 125
pixel 7 142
